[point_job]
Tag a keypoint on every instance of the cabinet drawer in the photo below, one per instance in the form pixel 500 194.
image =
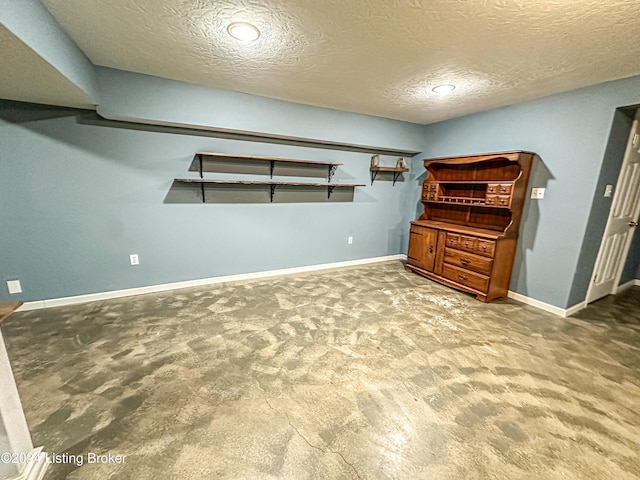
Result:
pixel 485 247
pixel 504 200
pixel 468 244
pixel 465 277
pixel 453 240
pixel 468 261
pixel 498 200
pixel 504 189
pixel 499 189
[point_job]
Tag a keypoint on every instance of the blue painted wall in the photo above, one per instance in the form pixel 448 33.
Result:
pixel 570 132
pixel 77 199
pixel 143 98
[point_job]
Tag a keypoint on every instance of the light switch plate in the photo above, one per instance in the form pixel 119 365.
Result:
pixel 537 193
pixel 14 286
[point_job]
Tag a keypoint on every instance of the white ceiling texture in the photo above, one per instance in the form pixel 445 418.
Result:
pixel 378 57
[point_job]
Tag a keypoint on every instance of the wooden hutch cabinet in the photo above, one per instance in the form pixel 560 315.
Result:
pixel 466 237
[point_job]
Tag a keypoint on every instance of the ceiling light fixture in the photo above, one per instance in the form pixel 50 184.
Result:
pixel 443 89
pixel 243 31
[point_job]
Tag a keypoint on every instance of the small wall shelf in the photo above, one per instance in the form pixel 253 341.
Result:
pixel 273 184
pixel 332 166
pixel 401 166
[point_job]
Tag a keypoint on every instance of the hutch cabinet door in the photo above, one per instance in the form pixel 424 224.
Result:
pixel 422 247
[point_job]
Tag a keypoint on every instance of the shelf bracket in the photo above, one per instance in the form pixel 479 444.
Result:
pixel 273 190
pixel 273 163
pixel 332 171
pixel 201 175
pixel 396 176
pixel 330 190
pixel 374 174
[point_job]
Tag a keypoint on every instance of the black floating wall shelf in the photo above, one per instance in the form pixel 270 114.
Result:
pixel 329 186
pixel 226 157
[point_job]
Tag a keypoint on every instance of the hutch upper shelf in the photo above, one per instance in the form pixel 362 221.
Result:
pixel 484 191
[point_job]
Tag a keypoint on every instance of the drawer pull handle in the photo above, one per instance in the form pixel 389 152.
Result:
pixel 465 261
pixel 463 277
pixel 430 248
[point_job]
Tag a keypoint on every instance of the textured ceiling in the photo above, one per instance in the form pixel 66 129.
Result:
pixel 39 82
pixel 379 57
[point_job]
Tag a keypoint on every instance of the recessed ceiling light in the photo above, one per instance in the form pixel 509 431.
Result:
pixel 444 89
pixel 243 31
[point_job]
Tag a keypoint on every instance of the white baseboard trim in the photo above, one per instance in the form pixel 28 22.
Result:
pixel 562 312
pixel 625 286
pixel 576 308
pixel 547 307
pixel 92 297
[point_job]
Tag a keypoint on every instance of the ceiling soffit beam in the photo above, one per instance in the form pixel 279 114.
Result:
pixel 132 98
pixel 89 117
pixel 32 23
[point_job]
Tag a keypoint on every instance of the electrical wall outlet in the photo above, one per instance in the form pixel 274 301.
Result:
pixel 14 287
pixel 350 240
pixel 537 193
pixel 608 190
pixel 134 259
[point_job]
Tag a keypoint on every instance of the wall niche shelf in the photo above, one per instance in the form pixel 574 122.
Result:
pixel 272 184
pixel 467 235
pixel 210 156
pixel 401 166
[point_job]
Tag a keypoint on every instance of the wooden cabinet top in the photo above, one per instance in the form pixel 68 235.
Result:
pixel 513 155
pixel 461 229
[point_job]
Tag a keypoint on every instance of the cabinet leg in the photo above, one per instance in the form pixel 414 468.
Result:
pixel 482 298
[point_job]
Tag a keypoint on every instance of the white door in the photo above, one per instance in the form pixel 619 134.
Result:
pixel 622 222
